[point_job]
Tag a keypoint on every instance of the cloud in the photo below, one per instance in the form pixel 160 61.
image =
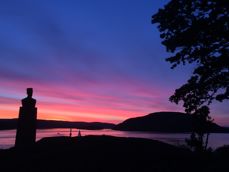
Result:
pixel 83 61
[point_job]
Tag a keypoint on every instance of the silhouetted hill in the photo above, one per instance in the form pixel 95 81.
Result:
pixel 94 153
pixel 6 124
pixel 163 122
pixel 109 154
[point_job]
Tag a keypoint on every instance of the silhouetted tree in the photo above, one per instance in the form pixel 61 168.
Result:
pixel 197 31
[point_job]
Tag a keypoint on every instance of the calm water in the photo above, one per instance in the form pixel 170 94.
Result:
pixel 7 137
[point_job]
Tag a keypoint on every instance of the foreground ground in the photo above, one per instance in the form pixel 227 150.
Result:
pixel 108 154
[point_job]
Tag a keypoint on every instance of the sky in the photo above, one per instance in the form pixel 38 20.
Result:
pixel 87 60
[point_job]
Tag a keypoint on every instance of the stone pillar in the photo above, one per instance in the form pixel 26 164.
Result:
pixel 26 127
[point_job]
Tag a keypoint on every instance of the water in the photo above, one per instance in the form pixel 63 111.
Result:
pixel 7 137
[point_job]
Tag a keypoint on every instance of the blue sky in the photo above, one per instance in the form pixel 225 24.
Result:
pixel 87 60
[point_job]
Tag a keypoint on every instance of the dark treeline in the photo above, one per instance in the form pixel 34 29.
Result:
pixel 6 124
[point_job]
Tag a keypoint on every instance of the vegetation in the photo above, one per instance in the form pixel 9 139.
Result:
pixel 197 32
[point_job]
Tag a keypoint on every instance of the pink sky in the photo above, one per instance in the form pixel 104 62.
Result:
pixel 88 61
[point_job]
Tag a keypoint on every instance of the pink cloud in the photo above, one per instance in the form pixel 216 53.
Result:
pixel 95 101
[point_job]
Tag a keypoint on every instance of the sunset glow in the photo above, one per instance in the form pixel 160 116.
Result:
pixel 102 62
pixel 59 104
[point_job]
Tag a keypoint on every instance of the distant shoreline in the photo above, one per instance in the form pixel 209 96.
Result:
pixel 11 124
pixel 6 124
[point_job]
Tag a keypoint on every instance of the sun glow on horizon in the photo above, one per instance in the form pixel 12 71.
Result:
pixel 85 68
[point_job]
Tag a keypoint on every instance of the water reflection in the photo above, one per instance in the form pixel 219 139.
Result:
pixel 7 137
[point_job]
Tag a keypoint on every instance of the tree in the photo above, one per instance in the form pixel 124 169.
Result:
pixel 197 32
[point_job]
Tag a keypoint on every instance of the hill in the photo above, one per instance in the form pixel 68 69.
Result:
pixel 6 124
pixel 163 122
pixel 112 154
pixel 96 153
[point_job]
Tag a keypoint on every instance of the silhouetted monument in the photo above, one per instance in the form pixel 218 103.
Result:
pixel 26 128
pixel 79 133
pixel 70 133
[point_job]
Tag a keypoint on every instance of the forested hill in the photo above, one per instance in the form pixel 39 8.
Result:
pixel 163 122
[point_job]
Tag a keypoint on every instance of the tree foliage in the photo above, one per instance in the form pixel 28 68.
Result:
pixel 197 31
